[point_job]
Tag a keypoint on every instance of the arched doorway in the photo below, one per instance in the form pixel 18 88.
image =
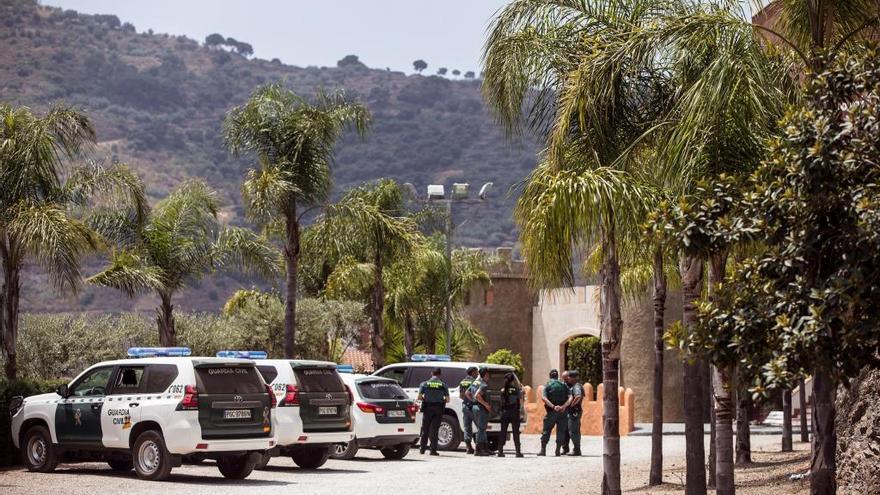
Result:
pixel 582 352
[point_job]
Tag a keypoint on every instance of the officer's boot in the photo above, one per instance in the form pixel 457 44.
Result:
pixel 543 451
pixel 470 448
pixel 516 444
pixel 576 452
pixel 500 449
pixel 482 450
pixel 558 450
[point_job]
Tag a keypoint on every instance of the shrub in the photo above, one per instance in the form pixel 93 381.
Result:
pixel 10 455
pixel 584 354
pixel 508 357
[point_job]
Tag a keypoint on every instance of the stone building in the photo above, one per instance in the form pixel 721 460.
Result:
pixel 539 325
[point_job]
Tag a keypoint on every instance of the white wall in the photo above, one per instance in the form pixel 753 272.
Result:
pixel 560 315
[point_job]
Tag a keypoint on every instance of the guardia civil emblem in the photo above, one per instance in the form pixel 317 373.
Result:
pixel 77 417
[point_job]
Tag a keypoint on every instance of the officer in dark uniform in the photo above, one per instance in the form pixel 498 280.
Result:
pixel 511 400
pixel 481 409
pixel 467 404
pixel 555 399
pixel 574 410
pixel 434 395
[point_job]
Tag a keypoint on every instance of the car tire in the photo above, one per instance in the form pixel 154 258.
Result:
pixel 236 467
pixel 152 461
pixel 450 433
pixel 121 465
pixel 311 457
pixel 492 443
pixel 263 462
pixel 344 451
pixel 38 451
pixel 396 453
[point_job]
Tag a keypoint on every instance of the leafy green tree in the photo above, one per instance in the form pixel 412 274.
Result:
pixel 47 206
pixel 456 72
pixel 584 354
pixel 215 39
pixel 420 65
pixel 350 61
pixel 442 71
pixel 469 74
pixel 292 140
pixel 180 242
pixel 509 358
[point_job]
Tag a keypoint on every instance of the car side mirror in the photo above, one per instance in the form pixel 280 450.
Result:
pixel 62 390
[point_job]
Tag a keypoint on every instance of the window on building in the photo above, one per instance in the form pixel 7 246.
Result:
pixel 488 296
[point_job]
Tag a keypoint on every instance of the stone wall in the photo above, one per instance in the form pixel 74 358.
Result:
pixel 591 420
pixel 858 435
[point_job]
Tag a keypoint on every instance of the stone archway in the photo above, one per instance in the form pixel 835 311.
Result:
pixel 563 346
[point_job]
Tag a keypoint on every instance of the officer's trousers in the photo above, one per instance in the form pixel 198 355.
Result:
pixel 467 415
pixel 431 416
pixel 509 417
pixel 574 428
pixel 481 420
pixel 554 419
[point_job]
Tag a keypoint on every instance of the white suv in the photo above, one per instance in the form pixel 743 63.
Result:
pixel 384 418
pixel 313 413
pixel 411 374
pixel 150 413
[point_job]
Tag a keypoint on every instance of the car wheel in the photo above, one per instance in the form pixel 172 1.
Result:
pixel 236 467
pixel 152 461
pixel 39 452
pixel 344 451
pixel 449 434
pixel 311 457
pixel 120 464
pixel 263 462
pixel 396 453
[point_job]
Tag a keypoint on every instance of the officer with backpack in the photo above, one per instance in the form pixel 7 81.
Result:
pixel 467 404
pixel 555 397
pixel 511 400
pixel 434 395
pixel 481 409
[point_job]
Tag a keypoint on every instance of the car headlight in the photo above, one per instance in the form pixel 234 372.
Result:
pixel 15 405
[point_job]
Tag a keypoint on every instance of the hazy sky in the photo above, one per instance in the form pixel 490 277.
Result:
pixel 383 33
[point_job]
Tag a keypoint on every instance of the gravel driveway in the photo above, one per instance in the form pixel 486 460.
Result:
pixel 369 472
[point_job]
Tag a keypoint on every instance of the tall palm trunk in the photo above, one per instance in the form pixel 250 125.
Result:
pixel 787 443
pixel 377 309
pixel 743 429
pixel 10 295
pixel 823 465
pixel 695 453
pixel 611 327
pixel 165 321
pixel 802 396
pixel 722 385
pixel 291 256
pixel 409 334
pixel 656 474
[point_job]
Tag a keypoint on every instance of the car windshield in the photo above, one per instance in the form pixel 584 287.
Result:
pixel 229 380
pixel 319 380
pixel 381 390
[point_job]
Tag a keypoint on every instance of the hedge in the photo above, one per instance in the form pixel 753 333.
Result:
pixel 9 455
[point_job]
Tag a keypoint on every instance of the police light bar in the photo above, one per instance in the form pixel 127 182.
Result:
pixel 345 368
pixel 142 352
pixel 243 354
pixel 421 358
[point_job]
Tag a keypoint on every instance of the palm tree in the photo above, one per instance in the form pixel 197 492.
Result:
pixel 179 242
pixel 292 140
pixel 46 206
pixel 548 59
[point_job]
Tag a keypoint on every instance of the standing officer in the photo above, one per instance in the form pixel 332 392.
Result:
pixel 481 409
pixel 511 405
pixel 467 404
pixel 575 410
pixel 567 439
pixel 555 399
pixel 434 395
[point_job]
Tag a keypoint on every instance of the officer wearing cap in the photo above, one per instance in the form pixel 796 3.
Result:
pixel 574 410
pixel 555 398
pixel 467 404
pixel 434 395
pixel 481 409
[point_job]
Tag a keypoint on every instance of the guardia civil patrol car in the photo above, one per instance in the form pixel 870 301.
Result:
pixel 150 412
pixel 314 407
pixel 411 374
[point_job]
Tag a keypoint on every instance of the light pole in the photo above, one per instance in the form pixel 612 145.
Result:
pixel 460 194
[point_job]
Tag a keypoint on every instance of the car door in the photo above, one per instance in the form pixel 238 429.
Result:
pixel 398 374
pixel 78 416
pixel 414 379
pixel 122 405
pixel 324 400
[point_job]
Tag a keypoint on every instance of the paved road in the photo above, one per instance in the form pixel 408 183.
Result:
pixel 370 473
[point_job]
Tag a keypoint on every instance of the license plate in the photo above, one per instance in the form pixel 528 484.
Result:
pixel 237 414
pixel 395 414
pixel 324 411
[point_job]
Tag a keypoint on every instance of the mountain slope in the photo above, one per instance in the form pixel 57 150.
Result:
pixel 158 103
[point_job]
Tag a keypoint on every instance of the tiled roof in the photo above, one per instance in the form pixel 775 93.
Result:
pixel 362 361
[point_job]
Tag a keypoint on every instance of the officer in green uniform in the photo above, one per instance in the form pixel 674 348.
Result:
pixel 467 404
pixel 481 409
pixel 511 400
pixel 574 410
pixel 434 395
pixel 555 399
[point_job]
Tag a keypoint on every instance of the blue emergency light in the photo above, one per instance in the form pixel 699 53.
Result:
pixel 345 368
pixel 243 354
pixel 143 352
pixel 422 358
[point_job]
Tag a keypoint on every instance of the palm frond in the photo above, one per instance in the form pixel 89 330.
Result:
pixel 129 273
pixel 241 248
